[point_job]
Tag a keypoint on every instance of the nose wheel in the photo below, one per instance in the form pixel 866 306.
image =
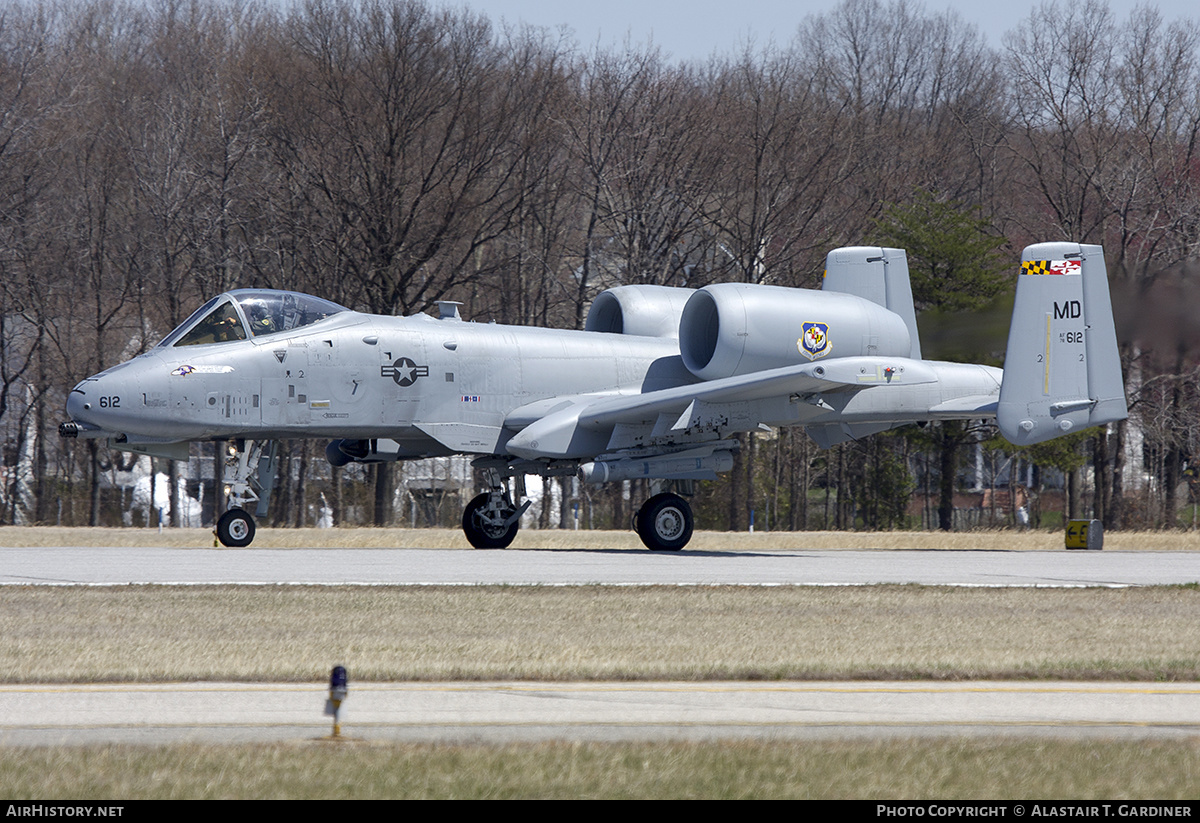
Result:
pixel 664 522
pixel 235 529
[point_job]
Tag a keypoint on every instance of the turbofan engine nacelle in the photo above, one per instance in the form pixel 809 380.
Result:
pixel 645 311
pixel 740 328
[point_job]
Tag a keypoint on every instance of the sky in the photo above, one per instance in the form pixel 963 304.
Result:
pixel 695 29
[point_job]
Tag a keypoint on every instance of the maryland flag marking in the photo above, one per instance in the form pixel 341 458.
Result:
pixel 1050 267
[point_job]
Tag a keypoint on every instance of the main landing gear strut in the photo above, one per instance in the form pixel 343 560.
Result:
pixel 248 479
pixel 491 521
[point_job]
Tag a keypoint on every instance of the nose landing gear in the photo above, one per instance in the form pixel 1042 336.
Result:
pixel 248 479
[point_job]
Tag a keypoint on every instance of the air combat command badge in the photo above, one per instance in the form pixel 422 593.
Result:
pixel 814 341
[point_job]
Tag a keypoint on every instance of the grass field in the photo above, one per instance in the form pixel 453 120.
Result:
pixel 294 633
pixel 148 633
pixel 893 769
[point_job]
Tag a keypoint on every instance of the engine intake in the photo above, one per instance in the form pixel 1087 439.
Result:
pixel 645 311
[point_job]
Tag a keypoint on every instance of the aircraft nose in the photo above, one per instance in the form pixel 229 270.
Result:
pixel 78 405
pixel 113 401
pixel 104 399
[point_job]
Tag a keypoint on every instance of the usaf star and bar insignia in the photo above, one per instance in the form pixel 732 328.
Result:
pixel 404 371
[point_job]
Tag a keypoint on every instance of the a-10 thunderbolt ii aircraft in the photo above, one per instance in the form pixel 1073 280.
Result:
pixel 652 388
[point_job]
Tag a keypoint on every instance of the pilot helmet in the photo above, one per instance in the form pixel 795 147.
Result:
pixel 256 310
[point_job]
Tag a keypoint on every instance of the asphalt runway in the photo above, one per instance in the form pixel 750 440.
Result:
pixel 507 712
pixel 522 712
pixel 120 566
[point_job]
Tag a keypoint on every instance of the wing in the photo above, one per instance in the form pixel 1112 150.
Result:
pixel 588 425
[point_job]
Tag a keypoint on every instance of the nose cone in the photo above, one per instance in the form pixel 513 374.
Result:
pixel 77 405
pixel 108 401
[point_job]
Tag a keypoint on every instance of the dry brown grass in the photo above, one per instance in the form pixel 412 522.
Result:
pixel 152 633
pixel 557 539
pixel 884 770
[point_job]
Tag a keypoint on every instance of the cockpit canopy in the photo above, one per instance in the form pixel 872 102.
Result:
pixel 243 313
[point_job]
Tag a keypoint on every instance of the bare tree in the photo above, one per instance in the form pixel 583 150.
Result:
pixel 402 130
pixel 1065 96
pixel 34 92
pixel 786 157
pixel 922 99
pixel 602 107
pixel 531 262
pixel 656 185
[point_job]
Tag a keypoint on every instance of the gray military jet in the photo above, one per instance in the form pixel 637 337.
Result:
pixel 652 388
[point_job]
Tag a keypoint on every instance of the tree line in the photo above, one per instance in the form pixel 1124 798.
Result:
pixel 388 155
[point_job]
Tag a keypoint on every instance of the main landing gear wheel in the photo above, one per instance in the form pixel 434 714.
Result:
pixel 664 522
pixel 235 529
pixel 485 528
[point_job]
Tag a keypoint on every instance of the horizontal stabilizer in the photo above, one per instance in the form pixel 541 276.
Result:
pixel 831 434
pixel 983 405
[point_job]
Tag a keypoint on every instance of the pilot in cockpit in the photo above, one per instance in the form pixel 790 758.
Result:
pixel 260 319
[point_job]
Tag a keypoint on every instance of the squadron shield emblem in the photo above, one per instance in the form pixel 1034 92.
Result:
pixel 814 340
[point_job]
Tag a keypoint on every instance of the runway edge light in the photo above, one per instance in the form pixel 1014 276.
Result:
pixel 338 686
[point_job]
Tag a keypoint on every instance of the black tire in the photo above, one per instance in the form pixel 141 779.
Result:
pixel 664 522
pixel 235 529
pixel 485 536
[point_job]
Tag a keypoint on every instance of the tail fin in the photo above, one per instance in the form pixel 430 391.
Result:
pixel 1062 371
pixel 876 274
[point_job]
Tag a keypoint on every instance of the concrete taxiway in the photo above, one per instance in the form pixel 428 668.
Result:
pixel 505 712
pixel 118 566
pixel 517 712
